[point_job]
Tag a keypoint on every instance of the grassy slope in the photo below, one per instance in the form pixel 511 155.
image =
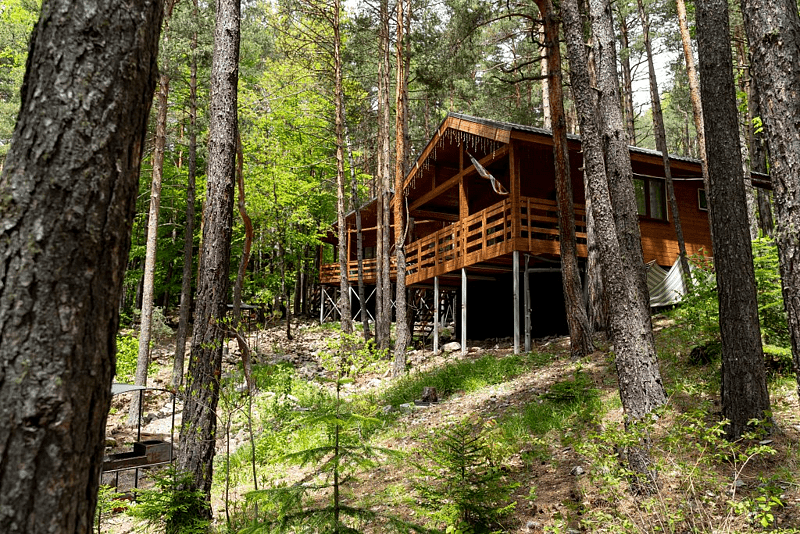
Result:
pixel 553 426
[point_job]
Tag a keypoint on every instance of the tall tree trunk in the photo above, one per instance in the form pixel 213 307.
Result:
pixel 580 331
pixel 640 385
pixel 188 239
pixel 773 30
pixel 759 158
pixel 618 162
pixel 356 204
pixel 627 81
pixel 67 200
pixel 401 324
pixel 547 122
pixel 248 233
pixel 384 319
pixel 197 440
pixel 344 283
pixel 694 89
pixel 151 249
pixel 661 143
pixel 744 385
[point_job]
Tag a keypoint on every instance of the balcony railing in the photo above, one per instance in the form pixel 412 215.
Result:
pixel 531 226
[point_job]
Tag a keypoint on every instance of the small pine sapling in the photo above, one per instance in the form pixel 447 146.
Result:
pixel 461 483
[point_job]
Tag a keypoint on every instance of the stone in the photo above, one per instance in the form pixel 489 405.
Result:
pixel 453 346
pixel 577 471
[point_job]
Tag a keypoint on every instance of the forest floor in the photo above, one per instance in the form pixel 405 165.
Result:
pixel 552 427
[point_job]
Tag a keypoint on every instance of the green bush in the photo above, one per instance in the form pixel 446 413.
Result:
pixel 699 311
pixel 169 508
pixel 127 353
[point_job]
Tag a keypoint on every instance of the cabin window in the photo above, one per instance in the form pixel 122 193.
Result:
pixel 650 197
pixel 702 201
pixel 369 253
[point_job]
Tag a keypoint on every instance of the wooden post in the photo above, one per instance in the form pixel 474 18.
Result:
pixel 515 194
pixel 435 315
pixel 321 303
pixel 463 310
pixel 516 300
pixel 526 288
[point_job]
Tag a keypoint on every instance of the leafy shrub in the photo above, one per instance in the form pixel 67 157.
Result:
pixel 699 311
pixel 127 353
pixel 169 508
pixel 462 482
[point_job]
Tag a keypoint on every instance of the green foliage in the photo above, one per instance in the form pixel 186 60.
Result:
pixel 108 501
pixel 699 311
pixel 127 353
pixel 320 506
pixel 461 481
pixel 169 507
pixel 699 470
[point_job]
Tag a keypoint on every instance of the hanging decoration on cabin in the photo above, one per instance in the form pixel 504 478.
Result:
pixel 496 185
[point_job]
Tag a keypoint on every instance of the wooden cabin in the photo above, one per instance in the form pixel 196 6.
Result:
pixel 466 236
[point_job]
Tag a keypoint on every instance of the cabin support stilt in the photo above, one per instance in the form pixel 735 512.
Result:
pixel 515 262
pixel 435 315
pixel 321 303
pixel 463 311
pixel 526 289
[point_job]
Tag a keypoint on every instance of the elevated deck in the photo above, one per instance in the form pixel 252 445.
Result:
pixel 482 240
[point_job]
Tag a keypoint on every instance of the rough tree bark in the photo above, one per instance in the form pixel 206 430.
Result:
pixel 402 333
pixel 67 200
pixel 661 143
pixel 773 30
pixel 580 331
pixel 618 161
pixel 744 383
pixel 344 283
pixel 640 385
pixel 197 440
pixel 188 238
pixel 384 290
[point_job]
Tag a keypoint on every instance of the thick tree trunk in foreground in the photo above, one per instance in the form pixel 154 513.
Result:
pixel 67 200
pixel 197 442
pixel 661 143
pixel 580 331
pixel 640 386
pixel 402 333
pixel 188 239
pixel 773 30
pixel 744 384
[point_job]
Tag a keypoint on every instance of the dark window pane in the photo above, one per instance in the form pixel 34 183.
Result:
pixel 657 205
pixel 641 201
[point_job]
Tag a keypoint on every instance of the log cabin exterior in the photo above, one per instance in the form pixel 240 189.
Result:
pixel 461 229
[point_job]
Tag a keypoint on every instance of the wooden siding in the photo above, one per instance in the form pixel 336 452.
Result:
pixel 659 241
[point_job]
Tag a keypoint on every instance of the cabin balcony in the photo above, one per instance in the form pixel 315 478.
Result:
pixel 484 239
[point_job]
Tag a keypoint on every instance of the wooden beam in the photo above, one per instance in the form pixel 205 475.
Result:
pixel 451 182
pixel 437 215
pixel 427 151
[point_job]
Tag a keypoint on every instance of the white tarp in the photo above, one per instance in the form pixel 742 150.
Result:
pixel 665 287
